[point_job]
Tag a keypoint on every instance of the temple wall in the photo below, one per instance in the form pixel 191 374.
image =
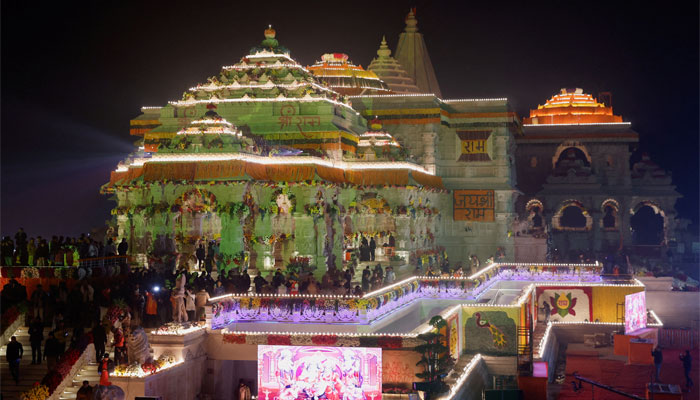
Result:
pixel 146 214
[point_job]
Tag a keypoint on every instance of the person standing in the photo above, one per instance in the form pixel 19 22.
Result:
pixel 119 347
pixel 36 336
pixel 151 310
pixel 14 355
pixel 687 360
pixel 31 252
pixel 372 248
pixel 200 253
pixel 103 369
pixel 99 338
pixel 123 247
pixel 390 275
pixel 190 306
pixel 547 310
pixel 366 275
pixel 51 351
pixel 658 360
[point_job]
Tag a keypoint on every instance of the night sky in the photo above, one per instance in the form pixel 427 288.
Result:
pixel 74 74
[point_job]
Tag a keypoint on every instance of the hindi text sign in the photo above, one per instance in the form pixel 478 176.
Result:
pixel 474 205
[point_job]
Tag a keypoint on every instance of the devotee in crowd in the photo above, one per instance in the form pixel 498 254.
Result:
pixel 151 310
pixel 13 354
pixel 52 350
pixel 358 291
pixel 85 392
pixel 658 360
pixel 687 361
pixel 259 282
pixel 372 248
pixel 99 338
pixel 366 276
pixel 475 264
pixel 123 247
pixel 218 289
pixel 390 275
pixel 36 336
pixel 200 254
pixel 189 303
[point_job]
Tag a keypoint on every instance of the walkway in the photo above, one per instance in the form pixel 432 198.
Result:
pixel 599 365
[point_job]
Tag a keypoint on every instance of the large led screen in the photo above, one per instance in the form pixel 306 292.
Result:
pixel 311 372
pixel 635 312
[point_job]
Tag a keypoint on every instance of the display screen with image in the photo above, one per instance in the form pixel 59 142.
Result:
pixel 315 372
pixel 635 312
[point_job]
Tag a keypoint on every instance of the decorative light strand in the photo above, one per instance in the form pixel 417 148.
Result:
pixel 339 334
pixel 286 160
pixel 246 99
pixel 463 377
pixel 583 124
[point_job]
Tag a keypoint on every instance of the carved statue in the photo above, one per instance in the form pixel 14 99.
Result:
pixel 138 348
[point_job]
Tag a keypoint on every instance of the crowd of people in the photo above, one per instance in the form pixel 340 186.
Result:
pixel 57 251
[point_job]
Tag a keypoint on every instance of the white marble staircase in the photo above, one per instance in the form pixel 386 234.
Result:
pixel 28 373
pixel 87 373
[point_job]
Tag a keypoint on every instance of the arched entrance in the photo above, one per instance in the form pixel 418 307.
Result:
pixel 611 210
pixel 572 216
pixel 647 223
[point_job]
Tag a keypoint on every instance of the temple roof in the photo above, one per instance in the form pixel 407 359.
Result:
pixel 572 106
pixel 391 71
pixel 268 73
pixel 341 75
pixel 190 141
pixel 412 53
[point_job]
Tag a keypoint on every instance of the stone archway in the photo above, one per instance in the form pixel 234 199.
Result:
pixel 564 147
pixel 572 216
pixel 611 215
pixel 648 224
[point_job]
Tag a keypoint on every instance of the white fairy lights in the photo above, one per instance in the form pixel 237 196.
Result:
pixel 462 378
pixel 142 374
pixel 295 160
pixel 495 265
pixel 584 124
pixel 325 333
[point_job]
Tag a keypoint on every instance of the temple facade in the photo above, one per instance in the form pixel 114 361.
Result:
pixel 273 161
pixel 574 169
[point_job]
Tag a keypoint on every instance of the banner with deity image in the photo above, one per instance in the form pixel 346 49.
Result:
pixel 566 304
pixel 453 341
pixel 635 312
pixel 310 372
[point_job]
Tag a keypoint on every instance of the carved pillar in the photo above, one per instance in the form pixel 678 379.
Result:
pixel 429 151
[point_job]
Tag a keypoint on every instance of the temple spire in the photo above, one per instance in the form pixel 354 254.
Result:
pixel 390 71
pixel 412 53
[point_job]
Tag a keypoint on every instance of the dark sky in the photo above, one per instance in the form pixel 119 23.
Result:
pixel 74 73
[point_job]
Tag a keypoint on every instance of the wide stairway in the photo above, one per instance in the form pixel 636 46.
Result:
pixel 28 373
pixel 87 373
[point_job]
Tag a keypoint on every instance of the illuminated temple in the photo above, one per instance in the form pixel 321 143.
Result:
pixel 279 162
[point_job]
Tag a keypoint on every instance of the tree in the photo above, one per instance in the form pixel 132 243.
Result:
pixel 435 358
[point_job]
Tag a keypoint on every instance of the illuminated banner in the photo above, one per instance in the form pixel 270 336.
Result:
pixel 474 145
pixel 635 312
pixel 309 372
pixel 473 205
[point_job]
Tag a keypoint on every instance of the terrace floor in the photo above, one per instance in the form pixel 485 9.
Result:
pixel 602 366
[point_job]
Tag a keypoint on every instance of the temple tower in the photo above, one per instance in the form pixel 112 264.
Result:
pixel 413 55
pixel 391 71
